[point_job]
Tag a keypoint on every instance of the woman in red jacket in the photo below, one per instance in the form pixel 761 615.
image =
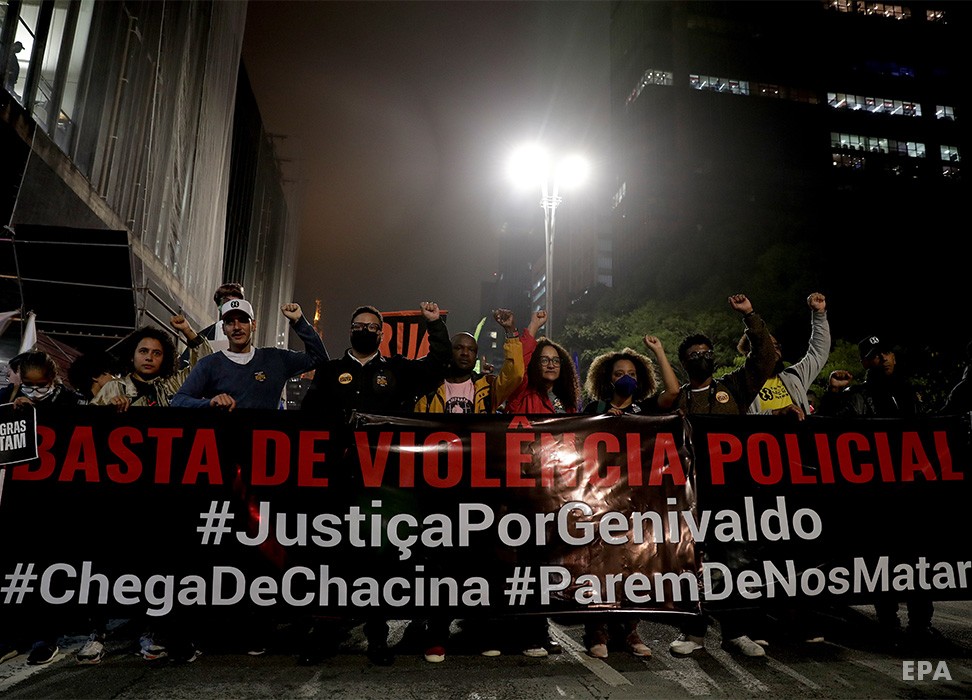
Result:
pixel 550 384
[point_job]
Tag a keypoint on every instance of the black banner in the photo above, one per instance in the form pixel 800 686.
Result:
pixel 479 515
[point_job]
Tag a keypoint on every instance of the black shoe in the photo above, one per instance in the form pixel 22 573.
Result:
pixel 380 655
pixel 184 653
pixel 552 646
pixel 42 653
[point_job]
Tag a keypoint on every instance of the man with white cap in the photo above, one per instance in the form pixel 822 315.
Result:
pixel 242 376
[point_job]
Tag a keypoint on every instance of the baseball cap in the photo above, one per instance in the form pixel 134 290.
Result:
pixel 871 345
pixel 238 305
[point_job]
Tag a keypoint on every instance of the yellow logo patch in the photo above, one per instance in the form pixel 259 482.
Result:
pixel 722 396
pixel 345 378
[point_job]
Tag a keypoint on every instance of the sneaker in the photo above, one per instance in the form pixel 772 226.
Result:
pixel 490 652
pixel 186 654
pixel 92 652
pixel 765 643
pixel 598 651
pixel 535 652
pixel 816 639
pixel 553 646
pixel 8 652
pixel 686 644
pixel 745 646
pixel 636 646
pixel 149 650
pixel 435 655
pixel 42 653
pixel 256 651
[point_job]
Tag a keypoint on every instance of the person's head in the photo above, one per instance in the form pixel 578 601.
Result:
pixel 236 316
pixel 18 47
pixel 38 376
pixel 148 353
pixel 877 355
pixel 227 291
pixel 366 330
pixel 13 369
pixel 619 375
pixel 744 347
pixel 550 368
pixel 696 356
pixel 90 372
pixel 465 351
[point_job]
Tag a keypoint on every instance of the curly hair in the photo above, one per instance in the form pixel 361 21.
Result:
pixel 567 386
pixel 127 347
pixel 598 384
pixel 695 339
pixel 86 368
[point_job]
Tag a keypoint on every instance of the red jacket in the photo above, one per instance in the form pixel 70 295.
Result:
pixel 526 399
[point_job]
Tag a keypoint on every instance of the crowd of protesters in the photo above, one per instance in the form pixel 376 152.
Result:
pixel 222 370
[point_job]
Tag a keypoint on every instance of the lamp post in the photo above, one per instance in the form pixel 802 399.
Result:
pixel 530 165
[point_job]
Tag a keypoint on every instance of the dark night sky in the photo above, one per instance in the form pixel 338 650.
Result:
pixel 399 119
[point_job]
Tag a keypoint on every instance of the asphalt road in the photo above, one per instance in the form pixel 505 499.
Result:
pixel 853 663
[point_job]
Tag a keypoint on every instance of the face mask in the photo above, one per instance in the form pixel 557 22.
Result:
pixel 625 386
pixel 699 369
pixel 364 342
pixel 36 393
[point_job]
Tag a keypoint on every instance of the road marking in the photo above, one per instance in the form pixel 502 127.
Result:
pixel 687 673
pixel 795 675
pixel 748 680
pixel 578 653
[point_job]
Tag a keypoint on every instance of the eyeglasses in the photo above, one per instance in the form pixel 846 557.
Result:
pixel 370 327
pixel 550 361
pixel 700 354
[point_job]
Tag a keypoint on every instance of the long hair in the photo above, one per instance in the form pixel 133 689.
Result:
pixel 126 350
pixel 567 386
pixel 598 384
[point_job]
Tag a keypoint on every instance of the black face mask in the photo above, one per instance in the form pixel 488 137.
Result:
pixel 364 342
pixel 699 369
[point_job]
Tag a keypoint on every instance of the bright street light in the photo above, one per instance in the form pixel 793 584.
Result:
pixel 529 166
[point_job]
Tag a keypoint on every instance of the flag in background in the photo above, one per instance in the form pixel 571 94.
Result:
pixel 30 333
pixel 405 334
pixel 479 328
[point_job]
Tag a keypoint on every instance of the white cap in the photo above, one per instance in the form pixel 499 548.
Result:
pixel 240 305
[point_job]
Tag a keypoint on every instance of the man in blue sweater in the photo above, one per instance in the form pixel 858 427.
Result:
pixel 243 376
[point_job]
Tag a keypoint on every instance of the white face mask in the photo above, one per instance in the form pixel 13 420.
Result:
pixel 37 393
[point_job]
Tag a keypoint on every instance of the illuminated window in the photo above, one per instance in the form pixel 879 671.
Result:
pixel 875 105
pixel 935 16
pixel 950 154
pixel 650 77
pixel 944 112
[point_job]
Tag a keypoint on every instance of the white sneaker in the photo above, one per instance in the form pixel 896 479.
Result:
pixel 92 652
pixel 490 652
pixel 149 650
pixel 535 652
pixel 598 651
pixel 686 644
pixel 745 646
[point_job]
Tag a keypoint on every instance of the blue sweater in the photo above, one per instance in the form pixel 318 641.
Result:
pixel 258 383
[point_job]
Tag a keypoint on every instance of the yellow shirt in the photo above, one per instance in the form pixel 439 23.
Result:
pixel 773 395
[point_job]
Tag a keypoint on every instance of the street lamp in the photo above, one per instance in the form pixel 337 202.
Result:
pixel 530 165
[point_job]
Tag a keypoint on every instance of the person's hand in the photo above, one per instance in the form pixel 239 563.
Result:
pixel 22 402
pixel 792 410
pixel 292 311
pixel 654 344
pixel 486 367
pixel 615 411
pixel 741 303
pixel 180 323
pixel 817 302
pixel 430 310
pixel 536 322
pixel 121 403
pixel 504 317
pixel 839 380
pixel 223 401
